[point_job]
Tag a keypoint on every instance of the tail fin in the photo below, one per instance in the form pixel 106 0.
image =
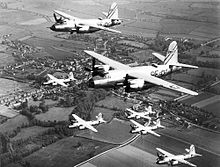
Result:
pixel 158 124
pixel 172 54
pixel 71 77
pixel 149 109
pixel 100 118
pixel 113 11
pixel 192 151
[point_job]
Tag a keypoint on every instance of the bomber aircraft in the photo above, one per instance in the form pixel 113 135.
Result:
pixel 54 81
pixel 138 115
pixel 68 23
pixel 138 77
pixel 171 159
pixel 146 128
pixel 82 124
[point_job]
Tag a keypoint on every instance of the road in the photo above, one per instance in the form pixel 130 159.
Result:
pixel 142 152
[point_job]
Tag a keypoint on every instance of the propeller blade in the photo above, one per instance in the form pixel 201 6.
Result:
pixel 127 84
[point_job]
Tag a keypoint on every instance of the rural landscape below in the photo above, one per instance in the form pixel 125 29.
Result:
pixel 48 83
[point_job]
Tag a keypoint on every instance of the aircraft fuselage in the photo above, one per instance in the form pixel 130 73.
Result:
pixel 117 77
pixel 82 25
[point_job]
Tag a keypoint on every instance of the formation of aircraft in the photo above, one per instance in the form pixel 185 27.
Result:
pixel 114 74
pixel 139 77
pixel 171 159
pixel 68 23
pixel 146 128
pixel 54 81
pixel 82 124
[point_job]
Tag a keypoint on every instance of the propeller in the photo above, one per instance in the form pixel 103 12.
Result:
pixel 60 20
pixel 91 70
pixel 160 157
pixel 127 84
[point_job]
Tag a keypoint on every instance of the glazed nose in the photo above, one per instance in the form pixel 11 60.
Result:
pixel 91 83
pixel 53 27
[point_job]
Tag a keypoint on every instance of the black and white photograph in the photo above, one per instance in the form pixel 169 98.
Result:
pixel 109 83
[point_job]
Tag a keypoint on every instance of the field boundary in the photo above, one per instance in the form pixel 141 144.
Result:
pixel 133 138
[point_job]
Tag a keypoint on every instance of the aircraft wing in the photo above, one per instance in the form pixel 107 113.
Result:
pixel 65 15
pixel 146 117
pixel 183 161
pixel 136 123
pixel 49 82
pixel 114 64
pixel 84 123
pixel 131 111
pixel 161 82
pixel 165 152
pixel 105 28
pixel 152 132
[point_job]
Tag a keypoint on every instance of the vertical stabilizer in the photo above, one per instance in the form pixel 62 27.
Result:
pixel 100 119
pixel 113 11
pixel 172 54
pixel 71 77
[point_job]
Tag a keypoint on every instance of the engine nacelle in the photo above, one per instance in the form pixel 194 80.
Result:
pixel 116 21
pixel 138 117
pixel 102 68
pixel 174 162
pixel 136 83
pixel 143 132
pixel 81 127
pixel 83 29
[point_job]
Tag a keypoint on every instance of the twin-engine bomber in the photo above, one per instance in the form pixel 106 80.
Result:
pixel 138 77
pixel 68 23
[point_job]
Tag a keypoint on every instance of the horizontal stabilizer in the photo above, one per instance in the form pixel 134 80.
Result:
pixel 105 14
pixel 159 56
pixel 184 65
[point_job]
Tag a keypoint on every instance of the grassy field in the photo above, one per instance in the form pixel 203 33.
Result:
pixel 66 153
pixel 206 71
pixel 114 102
pixel 13 123
pixel 114 132
pixel 9 86
pixel 55 113
pixel 214 108
pixel 29 132
pixel 200 97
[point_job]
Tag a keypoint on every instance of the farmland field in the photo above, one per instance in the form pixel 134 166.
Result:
pixel 29 132
pixel 55 113
pixel 214 108
pixel 111 102
pixel 200 97
pixel 13 123
pixel 66 153
pixel 114 132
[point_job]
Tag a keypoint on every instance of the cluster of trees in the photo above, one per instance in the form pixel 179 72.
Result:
pixel 194 114
pixel 85 104
pixel 48 137
pixel 34 109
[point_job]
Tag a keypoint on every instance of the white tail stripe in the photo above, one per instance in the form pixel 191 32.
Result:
pixel 170 55
pixel 112 11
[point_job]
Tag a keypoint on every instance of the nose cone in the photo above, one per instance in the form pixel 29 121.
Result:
pixel 91 83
